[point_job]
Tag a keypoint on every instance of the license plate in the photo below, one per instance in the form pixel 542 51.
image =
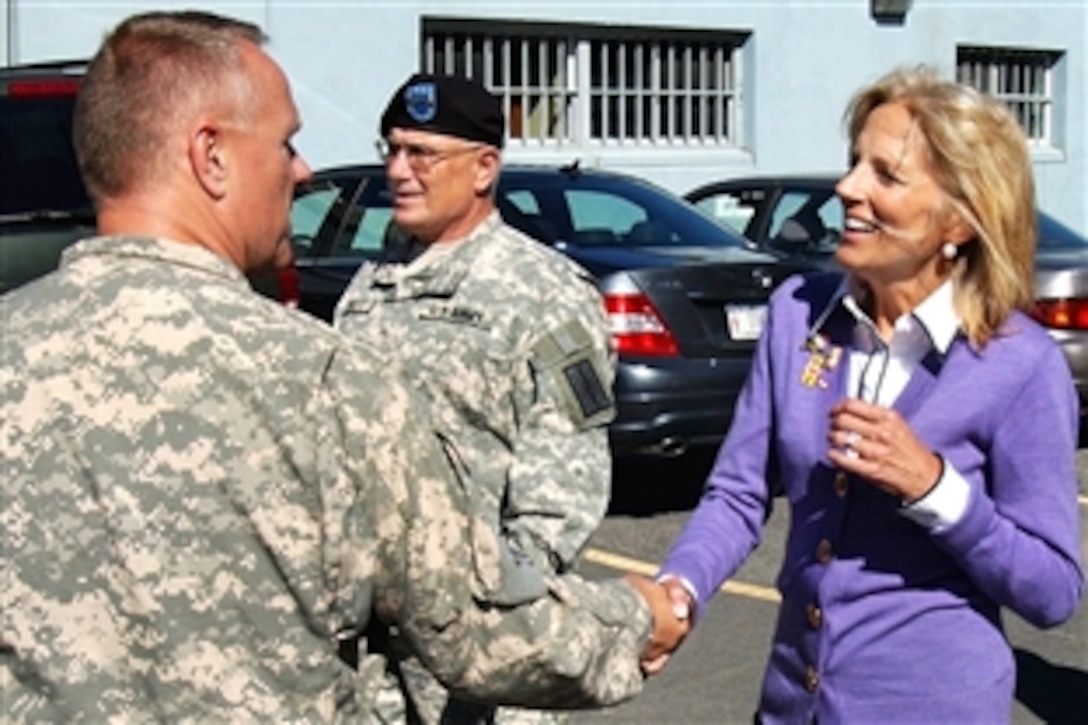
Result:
pixel 745 321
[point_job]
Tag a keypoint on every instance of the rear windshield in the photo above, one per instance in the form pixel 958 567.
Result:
pixel 37 163
pixel 602 211
pixel 1055 235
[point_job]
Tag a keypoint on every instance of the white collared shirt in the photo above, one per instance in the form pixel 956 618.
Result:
pixel 880 371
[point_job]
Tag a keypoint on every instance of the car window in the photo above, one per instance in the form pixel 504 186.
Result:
pixel 342 216
pixel 604 210
pixel 806 221
pixel 601 218
pixel 370 234
pixel 363 231
pixel 524 201
pixel 1055 235
pixel 350 214
pixel 734 212
pixel 38 169
pixel 309 211
pixel 521 209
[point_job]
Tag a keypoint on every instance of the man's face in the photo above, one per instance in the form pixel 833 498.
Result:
pixel 440 184
pixel 267 167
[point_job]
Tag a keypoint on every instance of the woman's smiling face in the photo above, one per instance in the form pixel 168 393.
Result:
pixel 894 208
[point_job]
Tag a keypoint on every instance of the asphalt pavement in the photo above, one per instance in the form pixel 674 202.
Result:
pixel 715 676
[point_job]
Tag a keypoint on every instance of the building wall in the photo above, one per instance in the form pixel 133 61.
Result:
pixel 804 61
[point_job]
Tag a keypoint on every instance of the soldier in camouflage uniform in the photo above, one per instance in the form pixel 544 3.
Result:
pixel 508 337
pixel 204 491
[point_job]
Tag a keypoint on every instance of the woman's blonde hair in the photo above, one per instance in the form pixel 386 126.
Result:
pixel 979 157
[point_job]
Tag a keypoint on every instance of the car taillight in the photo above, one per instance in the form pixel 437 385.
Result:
pixel 288 286
pixel 636 326
pixel 39 89
pixel 1069 314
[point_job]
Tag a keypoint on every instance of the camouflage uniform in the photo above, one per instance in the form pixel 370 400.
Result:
pixel 204 491
pixel 510 341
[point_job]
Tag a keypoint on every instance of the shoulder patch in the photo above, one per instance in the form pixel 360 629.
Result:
pixel 568 358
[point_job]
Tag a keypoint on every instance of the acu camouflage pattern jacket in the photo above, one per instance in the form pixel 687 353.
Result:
pixel 203 491
pixel 511 341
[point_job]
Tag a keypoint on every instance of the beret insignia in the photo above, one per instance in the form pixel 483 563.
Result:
pixel 420 99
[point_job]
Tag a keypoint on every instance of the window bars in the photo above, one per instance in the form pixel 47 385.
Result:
pixel 1022 79
pixel 587 86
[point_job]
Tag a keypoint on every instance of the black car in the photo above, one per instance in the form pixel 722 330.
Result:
pixel 43 205
pixel 685 297
pixel 801 217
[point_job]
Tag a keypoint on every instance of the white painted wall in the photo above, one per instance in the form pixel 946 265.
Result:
pixel 344 58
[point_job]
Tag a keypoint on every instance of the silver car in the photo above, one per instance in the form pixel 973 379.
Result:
pixel 1061 296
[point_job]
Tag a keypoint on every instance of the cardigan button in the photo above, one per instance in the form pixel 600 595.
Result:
pixel 823 551
pixel 812 679
pixel 815 616
pixel 841 484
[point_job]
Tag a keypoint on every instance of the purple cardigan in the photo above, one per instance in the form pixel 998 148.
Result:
pixel 882 620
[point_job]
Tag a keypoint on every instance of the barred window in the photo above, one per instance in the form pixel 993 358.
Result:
pixel 583 85
pixel 1023 79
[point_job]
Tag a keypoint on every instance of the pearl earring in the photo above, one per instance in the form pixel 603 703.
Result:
pixel 949 250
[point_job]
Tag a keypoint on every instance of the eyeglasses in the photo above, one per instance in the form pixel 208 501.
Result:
pixel 421 159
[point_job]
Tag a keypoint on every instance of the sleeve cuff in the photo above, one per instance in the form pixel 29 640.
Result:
pixel 688 587
pixel 944 505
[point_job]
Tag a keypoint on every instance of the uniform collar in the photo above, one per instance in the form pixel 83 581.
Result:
pixel 467 245
pixel 155 249
pixel 441 267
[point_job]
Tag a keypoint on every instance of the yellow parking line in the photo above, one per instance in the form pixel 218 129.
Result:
pixel 634 566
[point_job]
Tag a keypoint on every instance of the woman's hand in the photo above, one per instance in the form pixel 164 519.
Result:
pixel 671 606
pixel 875 443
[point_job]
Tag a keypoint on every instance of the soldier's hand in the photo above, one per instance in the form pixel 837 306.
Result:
pixel 671 607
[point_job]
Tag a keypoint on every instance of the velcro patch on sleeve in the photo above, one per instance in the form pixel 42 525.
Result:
pixel 586 385
pixel 568 357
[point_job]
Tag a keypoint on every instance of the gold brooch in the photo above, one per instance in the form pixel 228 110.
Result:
pixel 822 357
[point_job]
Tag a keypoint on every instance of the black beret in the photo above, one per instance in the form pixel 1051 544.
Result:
pixel 452 105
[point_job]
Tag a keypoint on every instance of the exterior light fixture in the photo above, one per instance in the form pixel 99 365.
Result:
pixel 889 9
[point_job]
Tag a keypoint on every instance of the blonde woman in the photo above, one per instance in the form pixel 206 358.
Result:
pixel 899 408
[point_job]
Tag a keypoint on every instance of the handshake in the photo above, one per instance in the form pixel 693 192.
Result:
pixel 671 605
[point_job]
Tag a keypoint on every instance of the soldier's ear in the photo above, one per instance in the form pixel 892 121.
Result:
pixel 208 160
pixel 487 169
